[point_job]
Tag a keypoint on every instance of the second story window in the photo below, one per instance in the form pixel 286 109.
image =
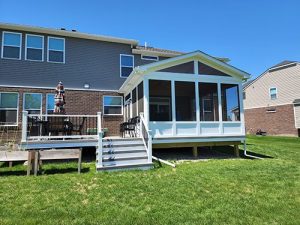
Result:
pixel 126 65
pixel 56 50
pixel 34 47
pixel 11 45
pixel 273 93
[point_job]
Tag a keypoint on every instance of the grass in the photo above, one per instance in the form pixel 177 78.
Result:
pixel 230 191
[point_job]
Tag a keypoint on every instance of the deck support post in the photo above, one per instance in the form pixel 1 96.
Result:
pixel 24 125
pixel 236 151
pixel 195 151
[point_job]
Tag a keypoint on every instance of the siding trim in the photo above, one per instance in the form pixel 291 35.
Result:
pixel 52 88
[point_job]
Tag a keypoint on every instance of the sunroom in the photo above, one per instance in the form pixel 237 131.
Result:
pixel 189 98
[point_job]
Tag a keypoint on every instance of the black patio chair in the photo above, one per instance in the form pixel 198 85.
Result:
pixel 129 127
pixel 78 127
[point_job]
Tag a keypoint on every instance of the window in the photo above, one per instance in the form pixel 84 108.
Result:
pixel 208 97
pixel 34 47
pixel 273 93
pixel 160 100
pixel 113 105
pixel 230 102
pixel 140 100
pixel 134 103
pixel 11 45
pixel 56 50
pixel 32 103
pixel 9 108
pixel 185 101
pixel 50 104
pixel 126 65
pixel 149 57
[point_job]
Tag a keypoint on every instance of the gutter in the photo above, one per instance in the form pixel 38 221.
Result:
pixel 247 155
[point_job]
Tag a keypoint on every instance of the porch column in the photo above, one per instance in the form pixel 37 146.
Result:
pixel 242 117
pixel 146 99
pixel 220 109
pixel 197 106
pixel 173 108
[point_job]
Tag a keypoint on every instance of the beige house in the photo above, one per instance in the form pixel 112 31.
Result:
pixel 272 100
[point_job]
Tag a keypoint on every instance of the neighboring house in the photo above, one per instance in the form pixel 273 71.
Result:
pixel 272 100
pixel 187 99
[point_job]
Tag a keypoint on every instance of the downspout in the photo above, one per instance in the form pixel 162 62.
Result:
pixel 246 154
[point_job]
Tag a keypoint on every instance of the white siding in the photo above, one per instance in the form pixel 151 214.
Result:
pixel 297 116
pixel 287 82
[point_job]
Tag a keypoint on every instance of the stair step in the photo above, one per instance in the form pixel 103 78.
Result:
pixel 123 143
pixel 125 162
pixel 122 157
pixel 141 166
pixel 124 148
pixel 107 151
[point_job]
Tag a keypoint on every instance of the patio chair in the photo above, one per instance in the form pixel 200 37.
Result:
pixel 129 127
pixel 55 125
pixel 78 127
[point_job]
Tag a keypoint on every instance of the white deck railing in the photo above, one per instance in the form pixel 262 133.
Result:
pixel 145 134
pixel 39 127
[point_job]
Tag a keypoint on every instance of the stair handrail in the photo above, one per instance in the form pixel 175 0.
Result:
pixel 146 136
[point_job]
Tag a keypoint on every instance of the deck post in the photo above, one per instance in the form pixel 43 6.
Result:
pixel 99 150
pixel 99 122
pixel 195 151
pixel 24 126
pixel 236 151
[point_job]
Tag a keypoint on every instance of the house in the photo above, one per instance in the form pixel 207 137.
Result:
pixel 272 100
pixel 180 99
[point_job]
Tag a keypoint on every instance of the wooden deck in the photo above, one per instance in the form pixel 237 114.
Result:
pixel 72 143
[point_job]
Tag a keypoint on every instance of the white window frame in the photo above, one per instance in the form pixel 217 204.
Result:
pixel 113 105
pixel 47 102
pixel 275 92
pixel 33 109
pixel 132 56
pixel 48 49
pixel 157 57
pixel 17 123
pixel 2 46
pixel 26 47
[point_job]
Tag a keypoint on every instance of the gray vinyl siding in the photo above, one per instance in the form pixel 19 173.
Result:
pixel 86 61
pixel 287 82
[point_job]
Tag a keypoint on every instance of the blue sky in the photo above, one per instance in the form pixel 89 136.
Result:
pixel 254 34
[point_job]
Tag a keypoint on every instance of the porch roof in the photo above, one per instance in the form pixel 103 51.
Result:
pixel 181 59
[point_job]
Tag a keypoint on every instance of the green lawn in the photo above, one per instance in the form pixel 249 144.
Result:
pixel 229 191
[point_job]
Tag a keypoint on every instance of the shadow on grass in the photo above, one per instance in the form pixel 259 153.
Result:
pixel 47 171
pixel 204 153
pixel 63 170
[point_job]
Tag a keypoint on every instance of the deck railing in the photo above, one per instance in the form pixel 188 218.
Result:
pixel 55 127
pixel 145 134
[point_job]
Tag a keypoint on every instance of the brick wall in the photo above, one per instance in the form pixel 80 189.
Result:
pixel 77 102
pixel 281 122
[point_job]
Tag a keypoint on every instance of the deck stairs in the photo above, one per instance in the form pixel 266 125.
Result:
pixel 123 154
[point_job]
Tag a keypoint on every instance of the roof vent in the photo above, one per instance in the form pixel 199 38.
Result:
pixel 62 28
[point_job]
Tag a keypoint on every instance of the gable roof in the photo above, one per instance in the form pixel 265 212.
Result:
pixel 66 33
pixel 282 65
pixel 181 59
pixel 164 52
